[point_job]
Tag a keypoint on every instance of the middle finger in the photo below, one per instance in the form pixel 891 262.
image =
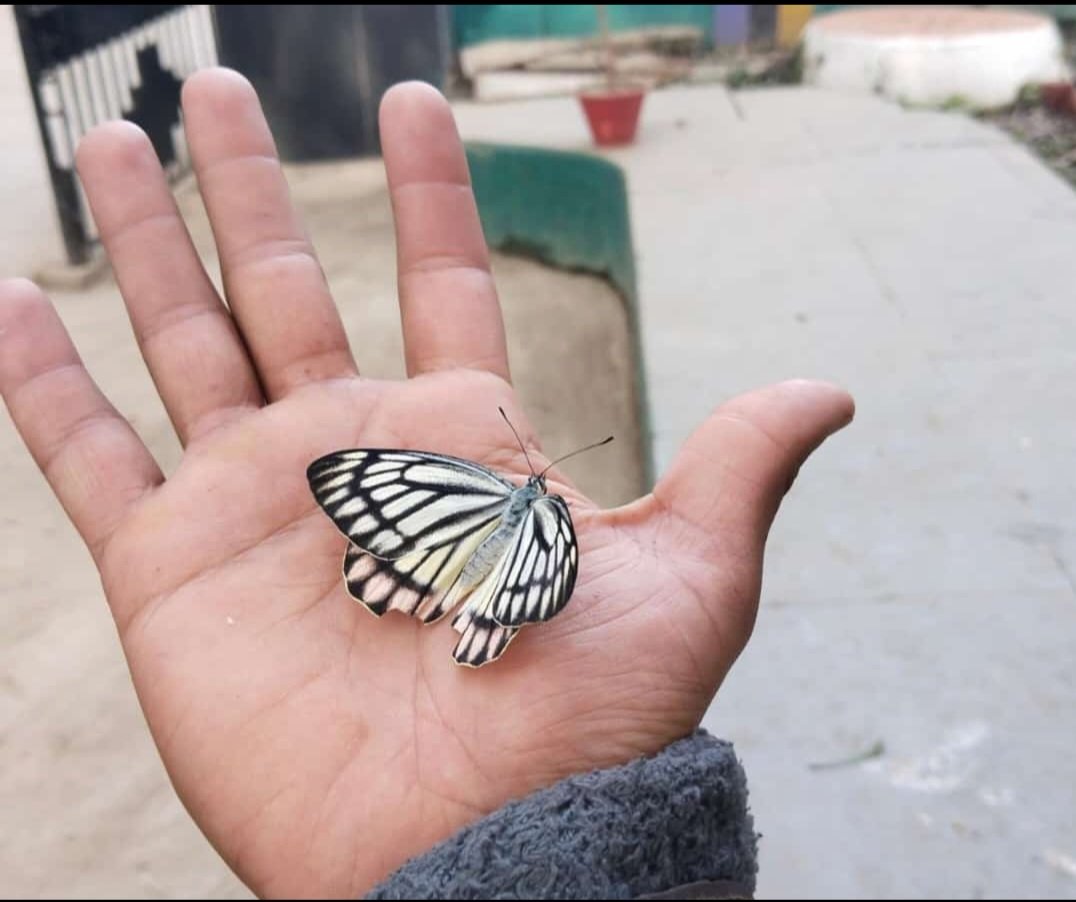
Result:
pixel 272 278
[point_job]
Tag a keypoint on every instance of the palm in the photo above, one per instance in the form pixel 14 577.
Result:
pixel 316 746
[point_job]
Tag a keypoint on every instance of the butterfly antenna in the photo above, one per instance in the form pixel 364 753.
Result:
pixel 518 439
pixel 604 441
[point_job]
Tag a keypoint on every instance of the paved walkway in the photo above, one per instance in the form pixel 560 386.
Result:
pixel 921 583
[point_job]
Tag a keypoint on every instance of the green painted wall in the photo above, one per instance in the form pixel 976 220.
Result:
pixel 474 24
pixel 1061 13
pixel 569 210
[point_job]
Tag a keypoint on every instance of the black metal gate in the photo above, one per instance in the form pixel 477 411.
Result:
pixel 89 64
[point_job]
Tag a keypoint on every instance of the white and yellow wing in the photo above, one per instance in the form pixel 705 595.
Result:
pixel 417 584
pixel 413 520
pixel 530 584
pixel 393 503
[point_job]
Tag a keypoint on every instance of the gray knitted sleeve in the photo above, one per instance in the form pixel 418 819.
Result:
pixel 677 819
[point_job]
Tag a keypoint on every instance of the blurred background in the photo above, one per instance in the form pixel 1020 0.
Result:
pixel 684 202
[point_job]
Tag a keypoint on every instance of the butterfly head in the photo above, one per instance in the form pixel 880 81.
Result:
pixel 537 482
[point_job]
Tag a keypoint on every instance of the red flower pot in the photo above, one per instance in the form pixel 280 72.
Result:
pixel 1060 96
pixel 613 114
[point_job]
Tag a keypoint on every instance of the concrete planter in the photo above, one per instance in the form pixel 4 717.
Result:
pixel 933 55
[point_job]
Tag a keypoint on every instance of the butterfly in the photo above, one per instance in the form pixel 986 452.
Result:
pixel 429 532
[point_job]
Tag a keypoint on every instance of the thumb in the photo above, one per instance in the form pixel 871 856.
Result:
pixel 731 474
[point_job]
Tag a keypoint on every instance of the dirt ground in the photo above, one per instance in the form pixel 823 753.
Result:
pixel 1050 134
pixel 86 809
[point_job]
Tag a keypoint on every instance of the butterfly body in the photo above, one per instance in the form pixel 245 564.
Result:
pixel 494 546
pixel 428 533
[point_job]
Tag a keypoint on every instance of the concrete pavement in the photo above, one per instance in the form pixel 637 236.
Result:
pixel 920 590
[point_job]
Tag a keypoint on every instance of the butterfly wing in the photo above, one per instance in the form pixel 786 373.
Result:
pixel 482 639
pixel 417 584
pixel 532 582
pixel 414 520
pixel 392 504
pixel 540 566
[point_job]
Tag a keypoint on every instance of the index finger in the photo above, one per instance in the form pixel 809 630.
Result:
pixel 448 304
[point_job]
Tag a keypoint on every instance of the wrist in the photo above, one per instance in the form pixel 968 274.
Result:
pixel 665 823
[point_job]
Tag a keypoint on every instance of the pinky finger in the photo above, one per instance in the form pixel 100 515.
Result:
pixel 96 464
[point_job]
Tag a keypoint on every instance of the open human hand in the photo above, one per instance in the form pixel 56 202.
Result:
pixel 317 747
